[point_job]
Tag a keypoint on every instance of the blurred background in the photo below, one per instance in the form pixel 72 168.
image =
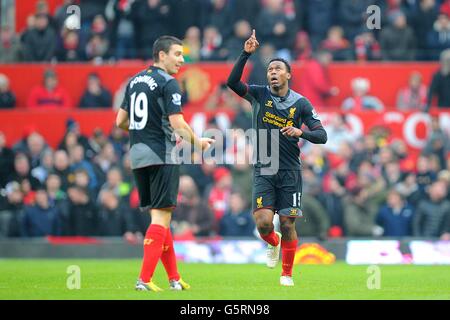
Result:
pixel 383 94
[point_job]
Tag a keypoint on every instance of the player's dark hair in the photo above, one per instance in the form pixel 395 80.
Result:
pixel 288 66
pixel 164 43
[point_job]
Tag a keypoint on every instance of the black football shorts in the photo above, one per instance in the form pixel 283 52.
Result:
pixel 281 192
pixel 157 186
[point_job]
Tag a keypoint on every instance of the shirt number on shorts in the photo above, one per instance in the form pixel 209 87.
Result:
pixel 296 199
pixel 139 108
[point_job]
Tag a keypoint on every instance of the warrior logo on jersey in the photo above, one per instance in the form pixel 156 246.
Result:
pixel 269 103
pixel 176 99
pixel 292 112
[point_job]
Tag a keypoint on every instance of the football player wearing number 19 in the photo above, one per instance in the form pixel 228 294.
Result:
pixel 151 111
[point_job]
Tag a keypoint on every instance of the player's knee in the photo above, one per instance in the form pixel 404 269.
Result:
pixel 287 226
pixel 264 225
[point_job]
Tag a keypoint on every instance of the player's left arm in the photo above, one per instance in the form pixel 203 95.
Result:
pixel 317 133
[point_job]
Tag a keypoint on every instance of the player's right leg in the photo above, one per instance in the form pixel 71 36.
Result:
pixel 263 205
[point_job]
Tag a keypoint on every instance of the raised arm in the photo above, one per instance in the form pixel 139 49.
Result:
pixel 234 80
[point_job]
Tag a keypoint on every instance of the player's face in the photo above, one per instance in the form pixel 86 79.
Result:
pixel 277 75
pixel 173 60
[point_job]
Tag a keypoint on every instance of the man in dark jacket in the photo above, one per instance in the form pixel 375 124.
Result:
pixel 40 43
pixel 441 83
pixel 41 219
pixel 95 96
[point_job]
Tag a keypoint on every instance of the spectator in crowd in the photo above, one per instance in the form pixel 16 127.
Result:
pixel 11 205
pixel 409 189
pixel 425 175
pixel 414 96
pixel 45 166
pixel 106 159
pixel 61 168
pixel 151 20
pixel 73 136
pixel 69 48
pixel 432 217
pixel 56 195
pixel 333 203
pixel 51 94
pixel 237 221
pixel 192 216
pixel 302 47
pixel 315 222
pixel 218 14
pixel 320 18
pixel 97 49
pixel 22 173
pixel 367 47
pixel 115 184
pixel 353 16
pixel 242 31
pixel 315 81
pixel 212 45
pixel 438 143
pixel 397 40
pixel 395 217
pixel 361 100
pixel 192 44
pixel 7 97
pixel 438 38
pixel 339 133
pixel 6 160
pixel 440 83
pixel 219 195
pixel 222 98
pixel 422 20
pixel 337 45
pixel 83 214
pixel 119 141
pixel 275 28
pixel 246 10
pixel 41 219
pixel 78 161
pixel 114 218
pixel 39 44
pixel 9 45
pixel 359 215
pixel 122 37
pixel 96 142
pixel 35 148
pixel 186 13
pixel 96 95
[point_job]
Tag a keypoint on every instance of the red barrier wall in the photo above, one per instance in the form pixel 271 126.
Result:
pixel 386 78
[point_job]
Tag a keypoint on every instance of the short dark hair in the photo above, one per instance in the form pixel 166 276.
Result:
pixel 164 43
pixel 288 66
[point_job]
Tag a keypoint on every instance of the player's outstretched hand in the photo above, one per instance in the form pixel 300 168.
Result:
pixel 291 132
pixel 206 143
pixel 251 44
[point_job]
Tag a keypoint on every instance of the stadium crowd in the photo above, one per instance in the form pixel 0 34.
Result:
pixel 214 30
pixel 366 186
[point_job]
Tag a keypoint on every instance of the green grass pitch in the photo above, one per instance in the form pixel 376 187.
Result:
pixel 115 279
